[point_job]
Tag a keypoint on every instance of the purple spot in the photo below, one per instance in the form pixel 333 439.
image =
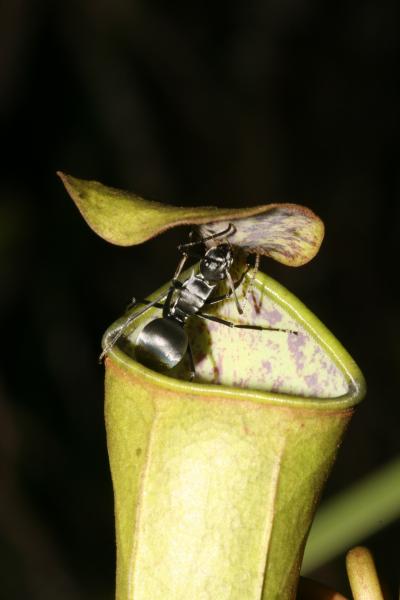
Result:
pixel 295 344
pixel 333 370
pixel 266 365
pixel 277 384
pixel 313 384
pixel 272 316
pixel 316 353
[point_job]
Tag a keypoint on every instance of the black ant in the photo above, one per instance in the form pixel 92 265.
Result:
pixel 163 342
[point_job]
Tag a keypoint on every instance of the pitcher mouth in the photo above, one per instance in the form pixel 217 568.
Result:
pixel 296 361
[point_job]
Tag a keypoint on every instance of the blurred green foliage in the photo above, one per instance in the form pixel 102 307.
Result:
pixel 358 512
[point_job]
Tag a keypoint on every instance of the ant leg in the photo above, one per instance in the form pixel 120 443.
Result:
pixel 116 334
pixel 232 288
pixel 180 266
pixel 191 363
pixel 185 256
pixel 252 278
pixel 236 284
pixel 134 301
pixel 256 266
pixel 150 303
pixel 241 326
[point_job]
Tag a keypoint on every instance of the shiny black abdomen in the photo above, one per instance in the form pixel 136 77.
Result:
pixel 163 341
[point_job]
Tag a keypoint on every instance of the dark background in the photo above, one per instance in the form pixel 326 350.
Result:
pixel 226 103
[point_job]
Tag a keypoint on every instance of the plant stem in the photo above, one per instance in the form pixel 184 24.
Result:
pixel 362 575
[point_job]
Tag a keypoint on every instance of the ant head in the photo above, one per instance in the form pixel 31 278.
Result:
pixel 216 262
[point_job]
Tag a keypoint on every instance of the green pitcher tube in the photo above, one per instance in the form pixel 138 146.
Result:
pixel 216 480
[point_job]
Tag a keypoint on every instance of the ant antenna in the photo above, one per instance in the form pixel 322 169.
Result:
pixel 230 230
pixel 232 288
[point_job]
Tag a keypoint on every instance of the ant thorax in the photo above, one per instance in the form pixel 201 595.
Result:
pixel 190 298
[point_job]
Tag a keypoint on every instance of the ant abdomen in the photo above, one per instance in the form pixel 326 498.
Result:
pixel 162 343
